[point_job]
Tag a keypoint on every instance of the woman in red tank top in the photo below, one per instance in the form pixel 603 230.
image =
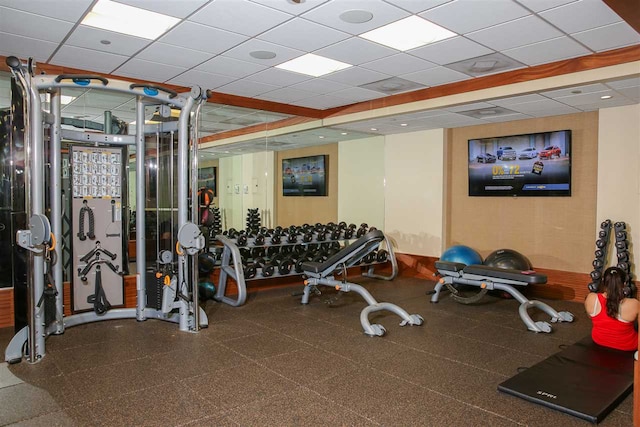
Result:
pixel 613 312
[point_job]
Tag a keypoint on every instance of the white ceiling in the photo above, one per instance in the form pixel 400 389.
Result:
pixel 211 47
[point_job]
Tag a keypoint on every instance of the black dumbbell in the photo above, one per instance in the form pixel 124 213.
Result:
pixel 273 251
pixel 241 240
pixel 268 270
pixel 259 239
pixel 601 243
pixel 257 252
pixel 259 262
pixel 307 237
pixel 250 271
pixel 596 275
pixel 335 234
pixel 292 237
pixel 284 267
pixel 276 239
pixel 382 255
pixel 597 263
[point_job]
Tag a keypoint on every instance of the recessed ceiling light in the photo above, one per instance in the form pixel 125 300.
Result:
pixel 606 97
pixel 105 42
pixel 356 16
pixel 374 128
pixel 408 33
pixel 125 19
pixel 343 133
pixel 313 65
pixel 403 124
pixel 321 137
pixel 262 54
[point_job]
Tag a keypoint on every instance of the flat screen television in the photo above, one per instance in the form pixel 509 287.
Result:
pixel 304 176
pixel 533 164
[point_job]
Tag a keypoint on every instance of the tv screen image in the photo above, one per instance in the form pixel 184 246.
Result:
pixel 533 164
pixel 304 176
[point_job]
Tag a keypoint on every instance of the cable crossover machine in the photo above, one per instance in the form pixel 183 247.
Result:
pixel 98 193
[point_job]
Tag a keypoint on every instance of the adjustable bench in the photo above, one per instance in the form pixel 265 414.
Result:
pixel 489 278
pixel 322 274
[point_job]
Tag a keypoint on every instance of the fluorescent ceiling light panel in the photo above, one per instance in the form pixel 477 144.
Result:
pixel 408 33
pixel 313 65
pixel 125 19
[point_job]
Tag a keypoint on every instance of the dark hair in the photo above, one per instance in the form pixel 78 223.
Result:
pixel 613 283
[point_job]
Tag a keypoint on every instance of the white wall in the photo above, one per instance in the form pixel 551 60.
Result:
pixel 361 181
pixel 414 171
pixel 618 175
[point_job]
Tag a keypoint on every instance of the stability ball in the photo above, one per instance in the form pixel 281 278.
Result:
pixel 462 254
pixel 509 259
pixel 206 290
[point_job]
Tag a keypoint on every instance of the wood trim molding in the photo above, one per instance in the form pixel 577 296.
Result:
pixel 629 10
pixel 567 66
pixel 6 307
pixel 216 98
pixel 292 121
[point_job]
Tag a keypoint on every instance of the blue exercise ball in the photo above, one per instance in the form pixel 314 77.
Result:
pixel 509 259
pixel 462 254
pixel 206 290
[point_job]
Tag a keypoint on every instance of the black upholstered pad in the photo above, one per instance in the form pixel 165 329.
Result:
pixel 529 277
pixel 584 380
pixel 349 255
pixel 450 266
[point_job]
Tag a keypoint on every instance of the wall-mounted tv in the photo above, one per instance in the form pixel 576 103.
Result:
pixel 304 176
pixel 533 164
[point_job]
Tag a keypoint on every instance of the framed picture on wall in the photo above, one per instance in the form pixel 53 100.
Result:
pixel 207 178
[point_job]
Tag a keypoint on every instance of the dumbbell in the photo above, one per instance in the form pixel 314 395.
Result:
pixel 321 236
pixel 292 237
pixel 382 255
pixel 342 225
pixel 259 239
pixel 596 275
pixel 257 252
pixel 241 240
pixel 335 234
pixel 276 239
pixel 268 270
pixel 369 258
pixel 284 266
pixel 620 226
pixel 348 233
pixel 597 263
pixel 250 271
pixel 272 251
pixel 621 245
pixel 307 237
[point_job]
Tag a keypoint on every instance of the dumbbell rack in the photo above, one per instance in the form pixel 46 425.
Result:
pixel 622 254
pixel 235 267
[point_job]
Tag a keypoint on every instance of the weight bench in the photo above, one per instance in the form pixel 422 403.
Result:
pixel 322 274
pixel 490 278
pixel 584 380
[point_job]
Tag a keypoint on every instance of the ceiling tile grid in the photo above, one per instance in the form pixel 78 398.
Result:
pixel 215 42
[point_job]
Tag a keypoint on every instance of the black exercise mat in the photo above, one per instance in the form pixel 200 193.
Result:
pixel 584 380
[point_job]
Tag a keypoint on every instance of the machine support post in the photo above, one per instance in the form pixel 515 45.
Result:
pixel 55 198
pixel 183 200
pixel 36 157
pixel 141 255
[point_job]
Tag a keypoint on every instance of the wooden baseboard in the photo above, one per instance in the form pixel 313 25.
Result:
pixel 562 285
pixel 6 307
